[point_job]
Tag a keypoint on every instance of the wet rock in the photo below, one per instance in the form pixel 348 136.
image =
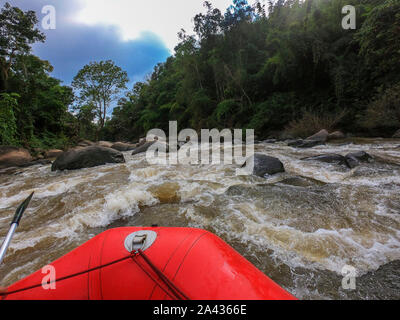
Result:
pixel 54 153
pixel 328 158
pixel 354 159
pixel 397 134
pixel 264 164
pixel 352 162
pixel 336 135
pixel 310 144
pixel 294 142
pixel 361 156
pixel 13 156
pixel 321 136
pixel 105 144
pixel 304 143
pixel 87 158
pixel 143 148
pixel 121 146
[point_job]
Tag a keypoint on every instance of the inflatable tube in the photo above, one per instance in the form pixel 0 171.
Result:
pixel 194 262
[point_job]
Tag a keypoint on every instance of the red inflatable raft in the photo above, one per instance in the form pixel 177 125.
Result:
pixel 151 263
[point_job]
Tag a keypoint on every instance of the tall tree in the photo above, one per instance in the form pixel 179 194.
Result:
pixel 17 32
pixel 99 84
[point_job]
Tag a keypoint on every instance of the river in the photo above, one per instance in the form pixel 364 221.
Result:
pixel 300 227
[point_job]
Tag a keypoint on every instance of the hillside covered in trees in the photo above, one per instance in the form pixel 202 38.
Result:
pixel 284 69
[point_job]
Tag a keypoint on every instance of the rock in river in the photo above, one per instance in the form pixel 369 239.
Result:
pixel 264 164
pixel 328 158
pixel 143 148
pixel 87 158
pixel 304 143
pixel 353 159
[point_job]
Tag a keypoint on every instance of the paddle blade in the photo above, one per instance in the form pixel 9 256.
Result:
pixel 21 209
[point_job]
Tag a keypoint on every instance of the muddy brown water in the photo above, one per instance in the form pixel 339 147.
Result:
pixel 300 228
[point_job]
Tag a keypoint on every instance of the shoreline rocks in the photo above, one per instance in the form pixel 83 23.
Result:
pixel 337 135
pixel 121 146
pixel 53 153
pixel 14 156
pixel 105 144
pixel 87 158
pixel 321 136
pixel 85 143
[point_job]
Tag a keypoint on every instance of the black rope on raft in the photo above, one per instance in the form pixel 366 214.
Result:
pixel 177 294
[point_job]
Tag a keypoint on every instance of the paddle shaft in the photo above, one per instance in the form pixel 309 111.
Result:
pixel 14 224
pixel 7 241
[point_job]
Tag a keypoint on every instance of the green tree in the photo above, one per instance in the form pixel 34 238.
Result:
pixel 17 32
pixel 99 84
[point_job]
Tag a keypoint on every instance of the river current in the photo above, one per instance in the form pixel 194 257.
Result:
pixel 301 227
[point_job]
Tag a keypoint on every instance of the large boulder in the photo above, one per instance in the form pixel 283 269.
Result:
pixel 54 153
pixel 328 158
pixel 143 148
pixel 87 158
pixel 121 146
pixel 397 135
pixel 264 164
pixel 321 136
pixel 13 156
pixel 337 135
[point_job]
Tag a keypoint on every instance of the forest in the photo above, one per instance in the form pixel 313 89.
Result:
pixel 285 69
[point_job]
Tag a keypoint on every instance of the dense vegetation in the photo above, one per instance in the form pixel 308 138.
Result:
pixel 286 68
pixel 290 65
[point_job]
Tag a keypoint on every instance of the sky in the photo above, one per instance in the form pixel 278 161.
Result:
pixel 136 34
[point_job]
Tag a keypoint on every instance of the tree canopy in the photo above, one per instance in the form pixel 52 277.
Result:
pixel 285 69
pixel 263 68
pixel 98 84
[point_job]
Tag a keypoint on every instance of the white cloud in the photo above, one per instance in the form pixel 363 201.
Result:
pixel 162 17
